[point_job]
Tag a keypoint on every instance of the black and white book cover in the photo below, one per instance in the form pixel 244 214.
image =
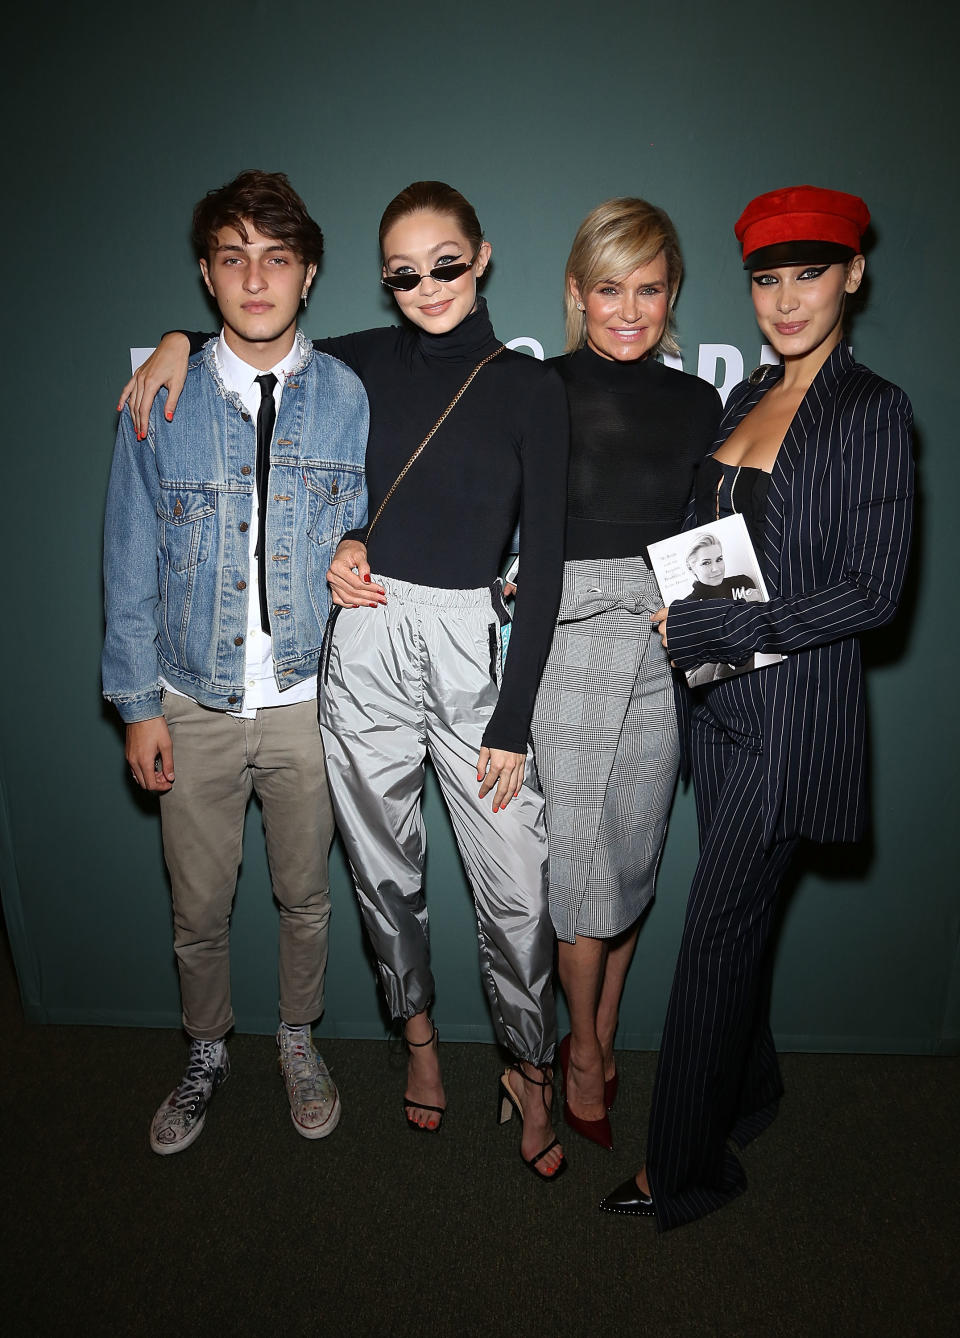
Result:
pixel 715 561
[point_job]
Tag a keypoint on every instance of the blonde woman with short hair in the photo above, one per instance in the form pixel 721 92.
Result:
pixel 604 732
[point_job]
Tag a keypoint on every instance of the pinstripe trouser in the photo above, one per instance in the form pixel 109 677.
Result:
pixel 416 677
pixel 717 1076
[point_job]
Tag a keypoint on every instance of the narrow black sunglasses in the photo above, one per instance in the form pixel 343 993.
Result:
pixel 405 283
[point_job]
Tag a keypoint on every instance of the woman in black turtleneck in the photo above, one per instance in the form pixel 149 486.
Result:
pixel 421 670
pixel 604 732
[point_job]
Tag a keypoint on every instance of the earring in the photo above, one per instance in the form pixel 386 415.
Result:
pixel 303 298
pixel 580 306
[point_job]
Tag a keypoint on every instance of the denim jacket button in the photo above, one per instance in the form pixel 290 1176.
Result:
pixel 232 701
pixel 238 640
pixel 246 470
pixel 241 585
pixel 243 527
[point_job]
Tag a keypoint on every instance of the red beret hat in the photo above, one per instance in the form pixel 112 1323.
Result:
pixel 801 225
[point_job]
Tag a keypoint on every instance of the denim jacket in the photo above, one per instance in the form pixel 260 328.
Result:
pixel 176 559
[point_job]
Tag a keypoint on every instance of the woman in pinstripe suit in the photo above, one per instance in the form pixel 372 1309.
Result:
pixel 816 454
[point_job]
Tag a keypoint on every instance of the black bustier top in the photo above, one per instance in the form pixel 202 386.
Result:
pixel 722 490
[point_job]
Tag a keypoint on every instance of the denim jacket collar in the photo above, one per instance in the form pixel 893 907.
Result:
pixel 208 357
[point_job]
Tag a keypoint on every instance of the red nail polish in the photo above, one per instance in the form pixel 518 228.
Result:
pixel 367 578
pixel 168 415
pixel 119 408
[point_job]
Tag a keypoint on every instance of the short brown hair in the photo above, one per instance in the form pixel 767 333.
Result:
pixel 269 202
pixel 612 241
pixel 433 197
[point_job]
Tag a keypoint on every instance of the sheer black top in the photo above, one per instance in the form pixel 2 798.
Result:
pixel 637 432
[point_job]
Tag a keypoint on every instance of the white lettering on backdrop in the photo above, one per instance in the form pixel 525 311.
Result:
pixel 527 341
pixel 709 358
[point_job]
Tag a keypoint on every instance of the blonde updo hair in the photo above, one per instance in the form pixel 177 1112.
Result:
pixel 614 239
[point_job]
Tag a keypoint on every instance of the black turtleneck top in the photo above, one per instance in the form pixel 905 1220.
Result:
pixel 500 457
pixel 637 432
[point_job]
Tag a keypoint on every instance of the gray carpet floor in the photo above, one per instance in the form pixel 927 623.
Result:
pixel 850 1226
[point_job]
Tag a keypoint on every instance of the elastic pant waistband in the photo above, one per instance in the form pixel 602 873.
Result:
pixel 485 598
pixel 435 596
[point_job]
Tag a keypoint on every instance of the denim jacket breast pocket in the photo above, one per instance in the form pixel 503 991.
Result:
pixel 333 494
pixel 185 525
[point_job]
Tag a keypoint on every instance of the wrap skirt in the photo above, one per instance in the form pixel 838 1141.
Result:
pixel 605 742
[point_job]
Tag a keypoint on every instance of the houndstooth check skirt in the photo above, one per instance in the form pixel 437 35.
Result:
pixel 605 741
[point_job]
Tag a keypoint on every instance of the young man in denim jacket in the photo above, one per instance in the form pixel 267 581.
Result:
pixel 214 671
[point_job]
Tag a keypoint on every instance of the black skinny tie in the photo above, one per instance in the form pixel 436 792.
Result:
pixel 266 418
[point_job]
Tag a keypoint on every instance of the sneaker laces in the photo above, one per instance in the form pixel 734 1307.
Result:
pixel 197 1083
pixel 301 1063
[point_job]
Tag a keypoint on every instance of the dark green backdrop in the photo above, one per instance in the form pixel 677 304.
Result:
pixel 116 124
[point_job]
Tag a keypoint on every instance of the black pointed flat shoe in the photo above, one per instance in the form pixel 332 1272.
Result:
pixel 628 1199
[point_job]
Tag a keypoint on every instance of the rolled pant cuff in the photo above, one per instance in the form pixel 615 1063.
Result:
pixel 215 1033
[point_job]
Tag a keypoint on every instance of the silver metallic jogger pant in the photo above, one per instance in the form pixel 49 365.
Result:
pixel 422 675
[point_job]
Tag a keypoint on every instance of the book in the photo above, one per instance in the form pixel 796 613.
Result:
pixel 715 561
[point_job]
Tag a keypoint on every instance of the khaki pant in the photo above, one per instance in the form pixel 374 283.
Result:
pixel 219 761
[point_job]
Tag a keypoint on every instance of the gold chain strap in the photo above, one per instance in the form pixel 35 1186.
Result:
pixel 439 423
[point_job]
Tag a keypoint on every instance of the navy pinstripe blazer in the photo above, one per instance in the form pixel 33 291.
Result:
pixel 837 537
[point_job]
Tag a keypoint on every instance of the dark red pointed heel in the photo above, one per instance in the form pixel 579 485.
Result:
pixel 597 1131
pixel 610 1088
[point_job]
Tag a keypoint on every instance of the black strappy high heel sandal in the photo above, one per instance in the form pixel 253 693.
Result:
pixel 508 1102
pixel 409 1105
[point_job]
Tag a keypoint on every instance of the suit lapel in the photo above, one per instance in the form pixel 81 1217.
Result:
pixel 785 470
pixel 735 413
pixel 789 464
pixel 773 529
